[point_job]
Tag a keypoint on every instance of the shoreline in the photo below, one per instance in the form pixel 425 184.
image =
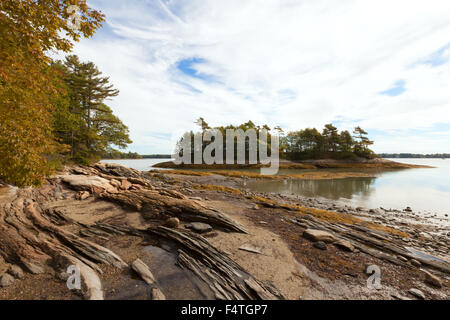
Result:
pixel 115 215
pixel 377 163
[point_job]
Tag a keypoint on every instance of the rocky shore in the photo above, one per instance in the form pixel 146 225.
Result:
pixel 146 235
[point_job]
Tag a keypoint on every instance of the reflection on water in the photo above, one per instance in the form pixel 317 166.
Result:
pixel 421 189
pixel 331 189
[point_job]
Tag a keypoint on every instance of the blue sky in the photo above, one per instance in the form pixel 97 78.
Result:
pixel 382 65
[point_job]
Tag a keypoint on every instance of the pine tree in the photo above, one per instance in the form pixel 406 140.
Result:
pixel 93 126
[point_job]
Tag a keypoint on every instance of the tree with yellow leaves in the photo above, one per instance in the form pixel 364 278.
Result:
pixel 29 30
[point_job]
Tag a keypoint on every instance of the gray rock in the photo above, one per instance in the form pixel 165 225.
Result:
pixel 401 258
pixel 417 293
pixel 16 271
pixel 6 280
pixel 320 245
pixel 199 227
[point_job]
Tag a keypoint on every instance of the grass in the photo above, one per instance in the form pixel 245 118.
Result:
pixel 217 188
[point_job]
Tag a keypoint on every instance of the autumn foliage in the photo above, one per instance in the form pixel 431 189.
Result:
pixel 32 89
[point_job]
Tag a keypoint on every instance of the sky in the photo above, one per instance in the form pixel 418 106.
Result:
pixel 383 65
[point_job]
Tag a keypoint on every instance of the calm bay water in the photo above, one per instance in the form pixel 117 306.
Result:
pixel 421 189
pixel 138 164
pixel 426 189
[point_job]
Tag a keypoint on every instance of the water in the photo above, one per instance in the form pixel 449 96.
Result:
pixel 421 189
pixel 138 164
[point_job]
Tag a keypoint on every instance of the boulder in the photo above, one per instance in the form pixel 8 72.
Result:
pixel 319 235
pixel 86 183
pixel 6 280
pixel 199 227
pixel 16 271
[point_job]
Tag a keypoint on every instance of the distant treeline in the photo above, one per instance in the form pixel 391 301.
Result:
pixel 115 154
pixel 157 156
pixel 414 155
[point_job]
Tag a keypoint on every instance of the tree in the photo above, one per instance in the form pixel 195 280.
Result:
pixel 28 85
pixel 346 142
pixel 330 138
pixel 90 127
pixel 362 142
pixel 202 124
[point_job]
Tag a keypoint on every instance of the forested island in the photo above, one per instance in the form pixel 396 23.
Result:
pixel 304 144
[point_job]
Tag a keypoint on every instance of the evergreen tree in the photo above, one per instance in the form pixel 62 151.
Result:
pixel 330 138
pixel 362 142
pixel 87 124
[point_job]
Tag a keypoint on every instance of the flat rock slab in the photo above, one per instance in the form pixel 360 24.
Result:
pixel 199 227
pixel 345 245
pixel 319 235
pixel 84 183
pixel 250 248
pixel 417 293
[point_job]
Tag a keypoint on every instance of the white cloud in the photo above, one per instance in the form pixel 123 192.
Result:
pixel 288 63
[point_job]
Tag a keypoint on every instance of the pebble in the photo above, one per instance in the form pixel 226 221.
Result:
pixel 199 227
pixel 172 223
pixel 320 245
